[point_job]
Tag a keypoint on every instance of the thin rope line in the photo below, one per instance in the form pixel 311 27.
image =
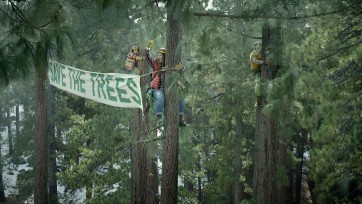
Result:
pixel 161 70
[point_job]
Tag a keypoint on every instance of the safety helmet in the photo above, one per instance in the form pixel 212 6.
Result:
pixel 162 50
pixel 257 44
pixel 135 48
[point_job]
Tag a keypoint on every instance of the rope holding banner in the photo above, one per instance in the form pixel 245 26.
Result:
pixel 164 69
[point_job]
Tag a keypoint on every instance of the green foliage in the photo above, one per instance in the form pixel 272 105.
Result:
pixel 17 93
pixel 97 151
pixel 119 196
pixel 177 83
pixel 186 196
pixel 25 183
pixel 331 112
pixel 317 87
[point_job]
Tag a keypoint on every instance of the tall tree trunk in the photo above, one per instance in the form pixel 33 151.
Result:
pixel 139 161
pixel 311 187
pixel 152 174
pixel 2 188
pixel 88 193
pixel 41 142
pixel 299 171
pixel 291 186
pixel 310 182
pixel 89 184
pixel 53 188
pixel 265 189
pixel 188 185
pixel 17 127
pixel 10 132
pixel 199 184
pixel 144 165
pixel 171 143
pixel 152 180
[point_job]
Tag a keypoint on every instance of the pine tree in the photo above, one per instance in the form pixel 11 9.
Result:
pixel 2 188
pixel 47 27
pixel 53 187
pixel 333 77
pixel 169 186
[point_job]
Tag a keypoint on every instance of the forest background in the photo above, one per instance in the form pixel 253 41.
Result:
pixel 303 145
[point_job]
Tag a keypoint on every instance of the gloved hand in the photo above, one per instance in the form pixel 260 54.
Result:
pixel 149 43
pixel 178 66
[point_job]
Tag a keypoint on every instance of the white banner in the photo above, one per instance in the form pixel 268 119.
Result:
pixel 120 90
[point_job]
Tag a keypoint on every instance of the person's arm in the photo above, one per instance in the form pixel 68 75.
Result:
pixel 256 61
pixel 148 58
pixel 138 58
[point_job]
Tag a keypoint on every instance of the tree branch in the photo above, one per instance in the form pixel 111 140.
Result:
pixel 249 36
pixel 339 50
pixel 222 15
pixel 216 96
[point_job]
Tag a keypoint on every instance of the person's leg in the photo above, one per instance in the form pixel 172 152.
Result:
pixel 257 83
pixel 182 106
pixel 160 100
pixel 182 111
pixel 258 88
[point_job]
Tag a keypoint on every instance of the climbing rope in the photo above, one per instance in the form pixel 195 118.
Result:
pixel 164 69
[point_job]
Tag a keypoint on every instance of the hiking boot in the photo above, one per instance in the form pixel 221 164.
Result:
pixel 182 121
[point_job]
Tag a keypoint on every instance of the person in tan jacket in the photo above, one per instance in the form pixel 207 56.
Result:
pixel 256 58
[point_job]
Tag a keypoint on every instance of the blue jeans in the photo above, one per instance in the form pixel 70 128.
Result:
pixel 160 102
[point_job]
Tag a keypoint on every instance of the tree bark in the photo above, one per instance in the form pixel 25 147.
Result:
pixel 144 165
pixel 2 188
pixel 139 166
pixel 152 180
pixel 199 183
pixel 265 189
pixel 265 164
pixel 10 132
pixel 152 174
pixel 171 144
pixel 41 142
pixel 299 171
pixel 139 160
pixel 17 127
pixel 53 188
